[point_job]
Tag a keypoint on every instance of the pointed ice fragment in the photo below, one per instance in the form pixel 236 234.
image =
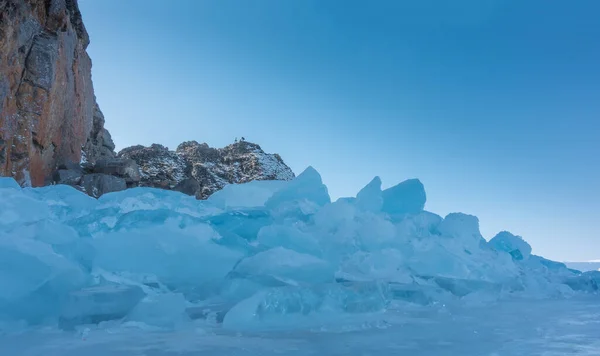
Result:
pixel 8 183
pixel 518 248
pixel 308 186
pixel 407 197
pixel 370 198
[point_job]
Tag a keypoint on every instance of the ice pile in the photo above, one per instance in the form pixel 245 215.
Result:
pixel 260 253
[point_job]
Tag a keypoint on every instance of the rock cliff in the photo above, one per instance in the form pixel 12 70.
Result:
pixel 52 130
pixel 48 111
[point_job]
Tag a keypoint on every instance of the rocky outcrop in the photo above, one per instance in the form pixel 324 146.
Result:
pixel 99 144
pixel 52 130
pixel 48 111
pixel 194 169
pixel 159 167
pixel 200 170
pixel 97 184
pixel 127 169
pixel 96 179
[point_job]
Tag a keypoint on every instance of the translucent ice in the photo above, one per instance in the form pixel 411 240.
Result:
pixel 370 198
pixel 247 195
pixel 33 278
pixel 100 303
pixel 291 306
pixel 28 264
pixel 462 227
pixel 151 199
pixel 277 253
pixel 17 209
pixel 166 310
pixel 422 225
pixel 63 201
pixel 240 223
pixel 289 237
pixel 177 256
pixel 8 183
pixel 407 197
pixel 303 194
pixel 514 245
pixel 588 282
pixel 48 231
pixel 287 266
pixel 387 265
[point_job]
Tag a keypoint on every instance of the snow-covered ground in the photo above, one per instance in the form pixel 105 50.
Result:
pixel 550 327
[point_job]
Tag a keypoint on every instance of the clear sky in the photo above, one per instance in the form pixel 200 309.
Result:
pixel 493 104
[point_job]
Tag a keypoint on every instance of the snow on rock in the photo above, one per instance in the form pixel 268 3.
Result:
pixel 159 167
pixel 199 170
pixel 254 254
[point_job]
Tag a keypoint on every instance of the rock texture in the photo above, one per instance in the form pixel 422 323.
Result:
pixel 52 130
pixel 48 111
pixel 159 167
pixel 200 170
pixel 99 144
pixel 103 176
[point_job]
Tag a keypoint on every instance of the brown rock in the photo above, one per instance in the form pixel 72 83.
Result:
pixel 48 111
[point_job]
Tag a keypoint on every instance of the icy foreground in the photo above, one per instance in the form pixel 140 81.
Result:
pixel 263 255
pixel 514 328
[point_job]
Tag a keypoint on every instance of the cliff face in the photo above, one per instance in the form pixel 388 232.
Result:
pixel 52 130
pixel 48 111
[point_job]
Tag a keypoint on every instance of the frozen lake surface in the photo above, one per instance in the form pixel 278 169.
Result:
pixel 548 327
pixel 266 268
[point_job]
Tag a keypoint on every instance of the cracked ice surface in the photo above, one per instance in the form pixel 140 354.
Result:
pixel 551 327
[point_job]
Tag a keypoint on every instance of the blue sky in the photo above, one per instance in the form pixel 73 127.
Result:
pixel 493 104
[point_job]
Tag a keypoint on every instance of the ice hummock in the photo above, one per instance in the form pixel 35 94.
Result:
pixel 253 255
pixel 518 248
